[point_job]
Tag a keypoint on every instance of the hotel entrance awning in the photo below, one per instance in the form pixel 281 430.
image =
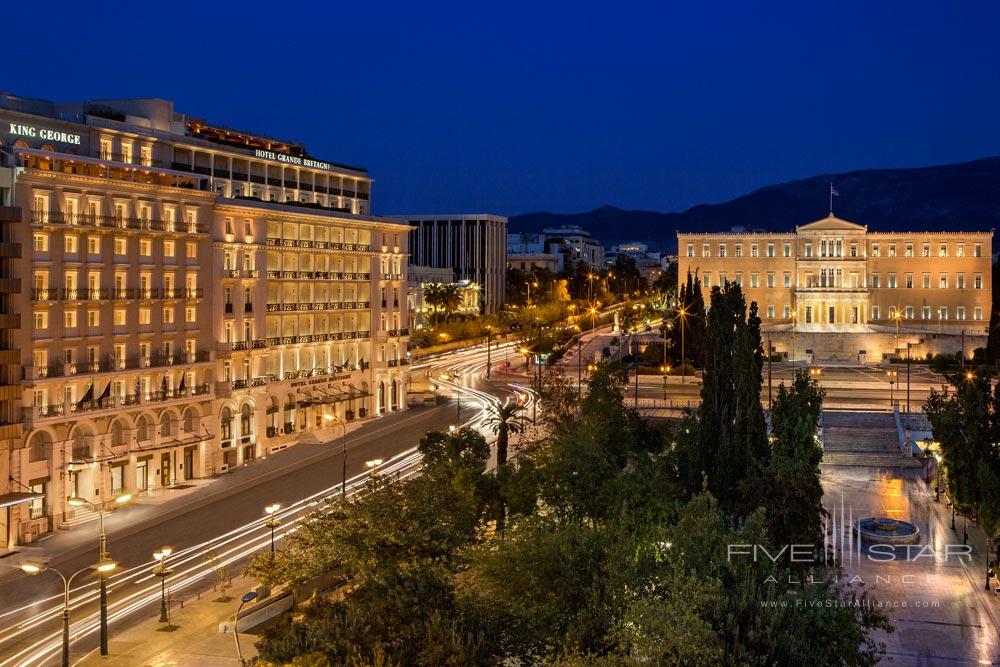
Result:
pixel 11 499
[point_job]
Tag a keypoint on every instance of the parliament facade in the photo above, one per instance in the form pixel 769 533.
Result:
pixel 833 275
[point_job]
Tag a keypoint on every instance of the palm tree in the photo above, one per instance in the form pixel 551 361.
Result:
pixel 504 421
pixel 451 299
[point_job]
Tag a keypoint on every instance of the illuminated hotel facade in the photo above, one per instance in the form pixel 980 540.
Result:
pixel 191 298
pixel 833 275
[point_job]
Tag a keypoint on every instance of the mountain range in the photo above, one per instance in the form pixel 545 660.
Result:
pixel 952 197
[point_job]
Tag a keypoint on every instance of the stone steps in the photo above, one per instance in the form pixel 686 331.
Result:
pixel 80 515
pixel 869 460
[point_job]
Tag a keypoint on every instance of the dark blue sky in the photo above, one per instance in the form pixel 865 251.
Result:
pixel 513 107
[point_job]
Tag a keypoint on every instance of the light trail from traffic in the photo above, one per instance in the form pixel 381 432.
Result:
pixel 197 564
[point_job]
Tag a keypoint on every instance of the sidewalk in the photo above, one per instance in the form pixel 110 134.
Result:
pixel 196 641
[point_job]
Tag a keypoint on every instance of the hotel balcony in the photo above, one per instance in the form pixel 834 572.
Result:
pixel 321 245
pixel 315 275
pixel 62 412
pixel 113 365
pixel 318 338
pixel 113 294
pixel 114 222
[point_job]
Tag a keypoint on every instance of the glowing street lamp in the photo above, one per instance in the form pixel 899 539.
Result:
pixel 104 566
pixel 162 571
pixel 372 466
pixel 76 501
pixel 272 522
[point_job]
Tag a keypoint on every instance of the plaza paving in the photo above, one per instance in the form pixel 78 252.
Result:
pixel 938 605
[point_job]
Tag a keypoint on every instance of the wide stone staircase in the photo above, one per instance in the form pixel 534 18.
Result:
pixel 863 440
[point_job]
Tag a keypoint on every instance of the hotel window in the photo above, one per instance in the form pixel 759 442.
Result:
pixel 977 313
pixel 248 261
pixel 119 317
pixel 93 318
pixel 909 250
pixel 41 319
pixel 40 242
pixel 925 250
pixel 121 246
pixel 754 252
pixel 754 280
pixel 144 316
pixel 908 313
pixel 126 152
pixel 229 227
pixel 145 247
pixel 70 244
pixel 93 245
pixel 706 250
pixel 876 252
pixel 706 279
pixel 960 313
pixel 854 250
pixel 943 313
pixel 168 315
pixel 190 314
pixel 809 250
pixel 977 250
pixel 875 280
pixel 146 155
pixel 739 278
pixel 960 281
pixel 925 312
pixel 787 250
pixel 943 281
pixel 739 250
pixel 690 250
pixel 69 319
pixel 770 312
pixel 192 249
pixel 926 281
pixel 169 248
pixel 770 280
pixel 787 279
pixel 909 281
pixel 228 260
pixel 770 250
pixel 72 207
pixel 853 277
pixel 892 281
pixel 960 250
pixel 722 250
pixel 786 312
pixel 977 281
pixel 105 149
pixel 943 252
pixel 191 217
pixel 874 312
pixel 892 250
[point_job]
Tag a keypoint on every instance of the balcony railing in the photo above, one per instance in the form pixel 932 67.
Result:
pixel 36 413
pixel 115 222
pixel 322 245
pixel 123 294
pixel 39 294
pixel 112 364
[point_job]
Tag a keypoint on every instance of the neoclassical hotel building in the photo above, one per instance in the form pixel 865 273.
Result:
pixel 190 298
pixel 835 276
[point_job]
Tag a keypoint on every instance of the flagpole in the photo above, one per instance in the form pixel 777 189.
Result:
pixel 831 198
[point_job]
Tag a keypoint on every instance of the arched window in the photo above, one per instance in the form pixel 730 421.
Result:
pixel 141 429
pixel 167 425
pixel 81 444
pixel 117 433
pixel 226 425
pixel 189 421
pixel 246 421
pixel 39 446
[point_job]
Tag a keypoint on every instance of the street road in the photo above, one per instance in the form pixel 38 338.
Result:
pixel 221 525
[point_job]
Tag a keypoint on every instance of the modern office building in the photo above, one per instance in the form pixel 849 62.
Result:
pixel 833 275
pixel 193 298
pixel 574 244
pixel 526 252
pixel 474 245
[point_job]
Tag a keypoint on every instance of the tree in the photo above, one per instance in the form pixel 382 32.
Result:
pixel 993 340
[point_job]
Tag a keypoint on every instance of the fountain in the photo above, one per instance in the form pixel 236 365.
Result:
pixel 882 530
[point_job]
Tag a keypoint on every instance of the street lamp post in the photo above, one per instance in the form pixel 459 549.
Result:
pixel 665 369
pixel 343 448
pixel 937 479
pixel 489 333
pixel 162 571
pixel 891 374
pixel 682 314
pixel 272 523
pixel 908 377
pixel 80 502
pixel 103 566
pixel 247 597
pixel 372 466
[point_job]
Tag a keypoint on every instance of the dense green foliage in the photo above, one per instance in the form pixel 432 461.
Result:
pixel 616 541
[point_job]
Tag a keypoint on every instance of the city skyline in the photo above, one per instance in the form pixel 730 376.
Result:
pixel 584 108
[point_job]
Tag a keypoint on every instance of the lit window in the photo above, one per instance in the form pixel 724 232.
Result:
pixel 754 250
pixel 121 246
pixel 960 313
pixel 960 250
pixel 770 311
pixel 876 251
pixel 192 249
pixel 787 279
pixel 770 250
pixel 168 248
pixel 41 320
pixel 93 318
pixel 144 315
pixel 40 242
pixel 754 280
pixel 190 314
pixel 909 250
pixel 70 245
pixel 925 250
pixel 69 319
pixel 943 252
pixel 977 250
pixel 892 250
pixel 977 313
pixel 943 281
pixel 925 312
pixel 145 247
pixel 690 250
pixel 925 281
pixel 943 313
pixel 168 315
pixel 722 250
pixel 960 282
pixel 119 317
pixel 787 250
pixel 909 313
pixel 977 282
pixel 94 245
pixel 739 249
